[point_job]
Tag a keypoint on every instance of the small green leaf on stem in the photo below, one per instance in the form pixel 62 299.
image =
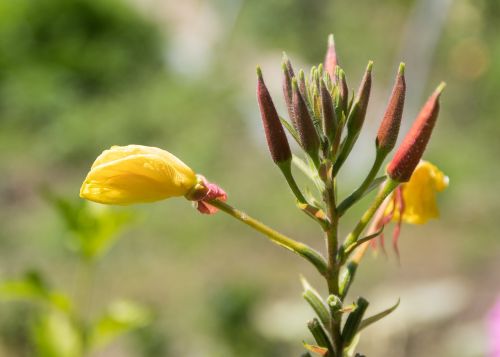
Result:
pixel 315 301
pixel 353 321
pixel 320 336
pixel 372 319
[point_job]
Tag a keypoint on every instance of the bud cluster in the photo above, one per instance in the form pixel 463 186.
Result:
pixel 326 124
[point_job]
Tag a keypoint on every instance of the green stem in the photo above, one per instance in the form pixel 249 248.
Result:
pixel 389 186
pixel 297 247
pixel 286 169
pixel 356 195
pixel 333 264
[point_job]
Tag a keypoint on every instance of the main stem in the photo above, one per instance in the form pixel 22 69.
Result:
pixel 332 277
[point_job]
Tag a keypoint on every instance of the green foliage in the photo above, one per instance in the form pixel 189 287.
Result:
pixel 94 228
pixel 121 317
pixel 55 53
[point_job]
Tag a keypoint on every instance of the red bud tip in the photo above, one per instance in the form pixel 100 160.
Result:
pixel 389 128
pixel 275 135
pixel 331 60
pixel 413 146
pixel 344 90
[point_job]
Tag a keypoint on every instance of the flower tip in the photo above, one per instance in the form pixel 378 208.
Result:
pixel 295 85
pixel 401 70
pixel 369 66
pixel 439 89
pixel 331 40
pixel 259 72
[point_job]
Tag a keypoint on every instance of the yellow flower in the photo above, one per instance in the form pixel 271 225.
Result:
pixel 131 174
pixel 418 203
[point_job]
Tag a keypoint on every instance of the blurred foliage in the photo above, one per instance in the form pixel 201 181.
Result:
pixel 93 228
pixel 55 53
pixel 79 76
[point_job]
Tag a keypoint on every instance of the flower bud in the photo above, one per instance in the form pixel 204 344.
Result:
pixel 413 146
pixel 307 132
pixel 329 119
pixel 275 135
pixel 343 90
pixel 358 112
pixel 131 174
pixel 331 60
pixel 389 128
pixel 288 74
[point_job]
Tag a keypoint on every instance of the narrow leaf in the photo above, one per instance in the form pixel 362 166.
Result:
pixel 320 351
pixel 370 320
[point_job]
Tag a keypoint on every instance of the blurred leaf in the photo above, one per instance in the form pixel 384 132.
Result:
pixel 32 288
pixel 372 319
pixel 320 351
pixel 56 335
pixel 95 227
pixel 351 348
pixel 120 318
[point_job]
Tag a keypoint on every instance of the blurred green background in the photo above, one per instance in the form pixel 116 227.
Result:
pixel 79 76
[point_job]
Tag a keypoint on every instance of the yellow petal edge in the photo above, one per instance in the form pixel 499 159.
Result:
pixel 419 194
pixel 125 175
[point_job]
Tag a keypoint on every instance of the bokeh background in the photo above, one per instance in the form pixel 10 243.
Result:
pixel 79 76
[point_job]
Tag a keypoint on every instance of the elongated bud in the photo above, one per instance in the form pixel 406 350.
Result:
pixel 275 135
pixel 329 120
pixel 389 128
pixel 343 89
pixel 305 127
pixel 302 84
pixel 353 321
pixel 331 60
pixel 413 146
pixel 288 74
pixel 358 112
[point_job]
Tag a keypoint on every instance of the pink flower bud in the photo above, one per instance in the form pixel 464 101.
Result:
pixel 331 60
pixel 275 135
pixel 413 146
pixel 307 132
pixel 358 112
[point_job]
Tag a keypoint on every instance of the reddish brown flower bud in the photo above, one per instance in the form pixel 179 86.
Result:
pixel 389 128
pixel 307 132
pixel 329 120
pixel 275 135
pixel 413 146
pixel 331 60
pixel 343 90
pixel 358 112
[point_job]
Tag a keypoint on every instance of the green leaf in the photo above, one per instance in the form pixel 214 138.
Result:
pixel 289 127
pixel 351 326
pixel 120 318
pixel 317 350
pixel 350 350
pixel 94 228
pixel 372 319
pixel 55 334
pixel 316 302
pixel 33 288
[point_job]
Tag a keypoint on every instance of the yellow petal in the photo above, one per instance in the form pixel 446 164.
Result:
pixel 136 174
pixel 419 194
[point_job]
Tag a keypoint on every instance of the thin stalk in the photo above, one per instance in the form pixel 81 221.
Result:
pixel 388 187
pixel 356 195
pixel 286 169
pixel 299 248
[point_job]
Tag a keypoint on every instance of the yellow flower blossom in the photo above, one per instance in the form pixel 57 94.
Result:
pixel 419 195
pixel 130 174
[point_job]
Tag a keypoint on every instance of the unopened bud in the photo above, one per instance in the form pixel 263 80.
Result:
pixel 307 132
pixel 288 74
pixel 413 146
pixel 331 60
pixel 343 90
pixel 329 120
pixel 275 135
pixel 389 128
pixel 358 112
pixel 302 84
